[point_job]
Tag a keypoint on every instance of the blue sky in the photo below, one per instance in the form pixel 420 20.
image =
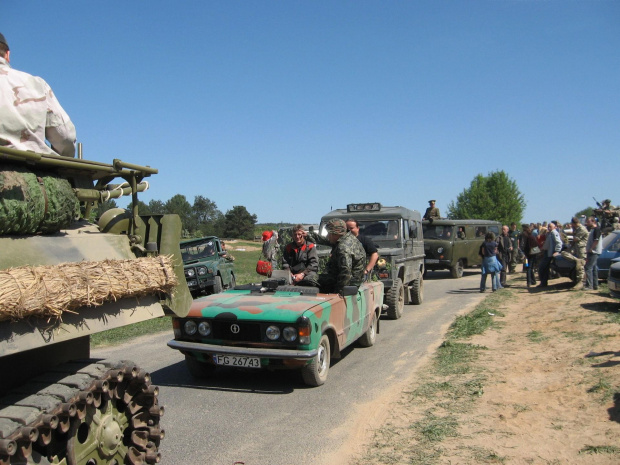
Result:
pixel 291 108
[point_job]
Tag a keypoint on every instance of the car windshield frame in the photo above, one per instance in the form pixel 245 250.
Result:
pixel 379 230
pixel 198 250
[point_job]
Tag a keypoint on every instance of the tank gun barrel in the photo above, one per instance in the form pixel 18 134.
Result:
pixel 118 168
pixel 112 191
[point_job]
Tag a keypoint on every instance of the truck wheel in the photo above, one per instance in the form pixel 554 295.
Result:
pixel 370 336
pixel 417 291
pixel 198 369
pixel 395 300
pixel 315 373
pixel 217 286
pixel 233 282
pixel 456 271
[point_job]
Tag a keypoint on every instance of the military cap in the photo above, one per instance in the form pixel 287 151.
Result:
pixel 3 40
pixel 336 226
pixel 607 201
pixel 432 201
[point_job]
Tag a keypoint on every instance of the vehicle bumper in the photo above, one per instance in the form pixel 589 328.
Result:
pixel 436 264
pixel 614 287
pixel 261 352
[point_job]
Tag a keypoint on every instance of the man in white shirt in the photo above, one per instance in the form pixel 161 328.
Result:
pixel 30 113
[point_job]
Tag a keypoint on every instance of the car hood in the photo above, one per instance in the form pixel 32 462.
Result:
pixel 278 306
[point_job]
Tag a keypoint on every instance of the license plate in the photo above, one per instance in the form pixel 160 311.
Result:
pixel 431 260
pixel 237 361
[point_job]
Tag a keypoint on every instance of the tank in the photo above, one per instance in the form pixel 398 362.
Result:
pixel 64 278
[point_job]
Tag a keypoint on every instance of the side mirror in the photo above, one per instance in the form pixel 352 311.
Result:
pixel 349 290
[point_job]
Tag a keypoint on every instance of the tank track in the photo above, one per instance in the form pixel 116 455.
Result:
pixel 83 413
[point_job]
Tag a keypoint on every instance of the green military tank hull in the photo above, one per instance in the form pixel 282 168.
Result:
pixel 63 278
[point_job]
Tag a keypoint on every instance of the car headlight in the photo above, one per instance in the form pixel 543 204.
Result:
pixel 290 334
pixel 201 271
pixel 190 327
pixel 273 333
pixel 439 249
pixel 190 273
pixel 204 328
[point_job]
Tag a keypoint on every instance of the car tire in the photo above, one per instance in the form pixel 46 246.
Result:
pixel 417 291
pixel 233 282
pixel 456 271
pixel 217 286
pixel 198 369
pixel 315 373
pixel 395 300
pixel 370 336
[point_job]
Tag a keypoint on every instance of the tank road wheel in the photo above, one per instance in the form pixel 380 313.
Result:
pixel 99 413
pixel 417 291
pixel 456 271
pixel 198 369
pixel 370 336
pixel 395 300
pixel 315 373
pixel 123 428
pixel 217 286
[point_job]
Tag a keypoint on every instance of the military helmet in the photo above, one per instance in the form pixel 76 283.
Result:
pixel 336 226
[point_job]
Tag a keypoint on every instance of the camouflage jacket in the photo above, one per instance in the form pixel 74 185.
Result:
pixel 30 113
pixel 580 239
pixel 346 265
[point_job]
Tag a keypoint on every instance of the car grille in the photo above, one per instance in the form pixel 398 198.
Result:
pixel 249 332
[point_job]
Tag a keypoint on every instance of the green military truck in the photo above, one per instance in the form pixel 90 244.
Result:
pixel 397 232
pixel 208 268
pixel 453 244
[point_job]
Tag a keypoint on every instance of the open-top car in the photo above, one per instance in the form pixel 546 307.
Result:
pixel 274 325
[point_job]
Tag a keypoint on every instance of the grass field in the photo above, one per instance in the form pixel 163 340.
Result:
pixel 246 255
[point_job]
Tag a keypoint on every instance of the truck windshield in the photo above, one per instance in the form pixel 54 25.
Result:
pixel 379 230
pixel 438 232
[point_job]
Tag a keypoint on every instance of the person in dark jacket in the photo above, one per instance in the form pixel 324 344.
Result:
pixel 504 253
pixel 529 246
pixel 302 259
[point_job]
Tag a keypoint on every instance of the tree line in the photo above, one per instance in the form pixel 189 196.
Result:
pixel 201 218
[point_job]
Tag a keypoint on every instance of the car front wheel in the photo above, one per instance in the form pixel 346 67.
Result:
pixel 457 270
pixel 315 373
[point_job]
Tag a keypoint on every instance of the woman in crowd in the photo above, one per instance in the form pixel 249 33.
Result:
pixel 490 264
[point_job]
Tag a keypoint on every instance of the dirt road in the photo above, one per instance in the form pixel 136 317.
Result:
pixel 544 389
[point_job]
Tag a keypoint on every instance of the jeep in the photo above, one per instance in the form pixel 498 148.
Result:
pixel 397 232
pixel 208 270
pixel 454 244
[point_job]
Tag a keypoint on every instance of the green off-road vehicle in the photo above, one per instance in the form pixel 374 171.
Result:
pixel 397 232
pixel 208 268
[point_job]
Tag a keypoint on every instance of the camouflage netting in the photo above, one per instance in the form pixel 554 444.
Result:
pixel 23 202
pixel 48 291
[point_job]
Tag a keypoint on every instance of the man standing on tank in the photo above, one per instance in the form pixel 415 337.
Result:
pixel 30 113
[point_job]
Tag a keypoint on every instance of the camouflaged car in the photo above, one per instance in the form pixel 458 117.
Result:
pixel 277 326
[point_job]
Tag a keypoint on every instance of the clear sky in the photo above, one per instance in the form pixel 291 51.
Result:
pixel 291 108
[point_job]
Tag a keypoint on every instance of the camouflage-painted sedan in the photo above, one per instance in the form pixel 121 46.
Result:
pixel 274 327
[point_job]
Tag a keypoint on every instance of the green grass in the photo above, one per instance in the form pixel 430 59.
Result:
pixel 600 450
pixel 126 333
pixel 536 336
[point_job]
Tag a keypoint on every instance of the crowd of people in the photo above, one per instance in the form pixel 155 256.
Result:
pixel 536 246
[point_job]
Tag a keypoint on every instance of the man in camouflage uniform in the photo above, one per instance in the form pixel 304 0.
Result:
pixel 30 113
pixel 432 212
pixel 346 264
pixel 578 247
